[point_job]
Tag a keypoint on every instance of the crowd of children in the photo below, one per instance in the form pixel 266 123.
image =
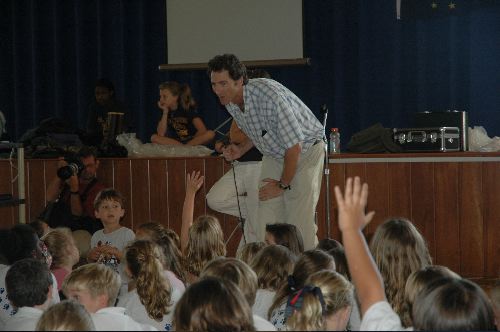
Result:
pixel 156 280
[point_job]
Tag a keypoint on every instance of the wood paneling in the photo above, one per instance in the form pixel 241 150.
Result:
pixel 423 202
pixel 491 213
pixel 455 205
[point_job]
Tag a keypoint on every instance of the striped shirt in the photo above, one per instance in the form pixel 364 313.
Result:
pixel 274 118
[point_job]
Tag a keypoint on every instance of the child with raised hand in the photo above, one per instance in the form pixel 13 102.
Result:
pixel 96 287
pixel 107 244
pixel 434 308
pixel 180 123
pixel 201 240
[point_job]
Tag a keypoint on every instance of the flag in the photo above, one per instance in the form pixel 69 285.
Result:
pixel 429 9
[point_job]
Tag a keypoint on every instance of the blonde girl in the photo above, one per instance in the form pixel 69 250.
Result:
pixel 325 304
pixel 171 258
pixel 66 315
pixel 273 264
pixel 309 262
pixel 203 239
pixel 180 123
pixel 249 250
pixel 152 300
pixel 398 249
pixel 65 255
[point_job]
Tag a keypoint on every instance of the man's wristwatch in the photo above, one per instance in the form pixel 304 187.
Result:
pixel 284 186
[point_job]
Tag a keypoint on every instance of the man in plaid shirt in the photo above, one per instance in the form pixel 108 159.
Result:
pixel 289 136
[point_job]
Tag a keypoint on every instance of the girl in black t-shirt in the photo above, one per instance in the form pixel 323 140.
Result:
pixel 179 123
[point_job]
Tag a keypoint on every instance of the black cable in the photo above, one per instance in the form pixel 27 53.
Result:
pixel 241 220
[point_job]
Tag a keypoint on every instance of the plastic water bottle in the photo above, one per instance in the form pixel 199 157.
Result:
pixel 334 140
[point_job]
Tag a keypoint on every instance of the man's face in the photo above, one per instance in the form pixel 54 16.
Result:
pixel 90 168
pixel 227 89
pixel 102 95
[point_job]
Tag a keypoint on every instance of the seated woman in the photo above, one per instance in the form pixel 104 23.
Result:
pixel 179 123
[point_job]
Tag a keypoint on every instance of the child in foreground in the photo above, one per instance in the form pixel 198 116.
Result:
pixel 96 287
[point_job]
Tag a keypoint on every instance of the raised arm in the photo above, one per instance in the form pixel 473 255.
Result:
pixel 352 219
pixel 194 182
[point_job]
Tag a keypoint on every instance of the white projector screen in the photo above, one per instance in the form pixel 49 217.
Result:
pixel 253 30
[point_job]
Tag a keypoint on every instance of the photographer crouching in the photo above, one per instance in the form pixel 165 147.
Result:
pixel 71 193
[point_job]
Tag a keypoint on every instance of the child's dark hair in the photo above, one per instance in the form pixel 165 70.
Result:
pixel 452 304
pixel 183 91
pixel 287 235
pixel 231 63
pixel 108 194
pixel 21 241
pixel 328 244
pixel 28 282
pixel 212 304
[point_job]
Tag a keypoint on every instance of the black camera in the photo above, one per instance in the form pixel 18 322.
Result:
pixel 74 167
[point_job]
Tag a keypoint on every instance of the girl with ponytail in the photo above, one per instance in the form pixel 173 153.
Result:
pixel 153 299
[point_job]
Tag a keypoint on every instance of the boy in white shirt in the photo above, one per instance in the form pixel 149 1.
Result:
pixel 29 288
pixel 96 287
pixel 108 244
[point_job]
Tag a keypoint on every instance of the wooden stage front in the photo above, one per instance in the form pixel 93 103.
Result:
pixel 452 198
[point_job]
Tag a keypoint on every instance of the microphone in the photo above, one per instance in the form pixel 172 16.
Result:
pixel 324 109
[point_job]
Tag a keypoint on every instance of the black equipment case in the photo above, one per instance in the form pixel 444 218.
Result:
pixel 432 139
pixel 445 119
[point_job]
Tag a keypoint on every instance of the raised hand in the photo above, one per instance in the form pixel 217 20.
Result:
pixel 194 182
pixel 352 205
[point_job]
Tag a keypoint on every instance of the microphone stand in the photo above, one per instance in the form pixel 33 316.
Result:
pixel 326 171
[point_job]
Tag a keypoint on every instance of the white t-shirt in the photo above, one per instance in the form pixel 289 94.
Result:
pixel 174 281
pixel 263 301
pixel 6 309
pixel 114 319
pixel 278 317
pixel 25 319
pixel 135 309
pixel 261 324
pixel 118 239
pixel 381 317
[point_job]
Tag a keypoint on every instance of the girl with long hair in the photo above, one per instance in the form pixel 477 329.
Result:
pixel 153 299
pixel 180 123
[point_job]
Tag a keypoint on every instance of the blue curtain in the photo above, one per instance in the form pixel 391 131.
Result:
pixel 366 65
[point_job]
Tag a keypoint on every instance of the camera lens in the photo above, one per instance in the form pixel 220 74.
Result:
pixel 66 172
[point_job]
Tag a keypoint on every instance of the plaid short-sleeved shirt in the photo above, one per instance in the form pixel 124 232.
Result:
pixel 274 118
